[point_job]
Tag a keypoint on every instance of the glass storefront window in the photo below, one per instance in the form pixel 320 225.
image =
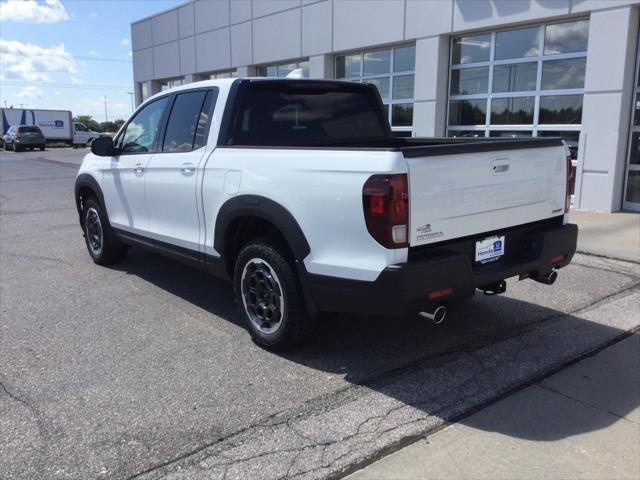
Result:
pixel 467 112
pixel 283 69
pixel 519 43
pixel 561 74
pixel 521 81
pixel 566 37
pixel 469 81
pixel 391 71
pixel 518 77
pixel 561 109
pixel 404 59
pixel 512 111
pixel 471 49
pixel 376 63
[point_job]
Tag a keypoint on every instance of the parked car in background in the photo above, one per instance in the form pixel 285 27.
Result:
pixel 83 135
pixel 23 137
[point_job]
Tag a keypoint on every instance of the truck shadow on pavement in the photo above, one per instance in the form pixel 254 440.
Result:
pixel 487 348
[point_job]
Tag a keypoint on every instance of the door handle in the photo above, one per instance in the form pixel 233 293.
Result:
pixel 139 168
pixel 188 167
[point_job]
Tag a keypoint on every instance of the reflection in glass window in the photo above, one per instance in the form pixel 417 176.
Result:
pixel 467 112
pixel 469 81
pixel 566 37
pixel 519 77
pixel 383 87
pixel 200 139
pixel 403 87
pixel 567 73
pixel 517 43
pixel 561 109
pixel 404 59
pixel 283 69
pixel 402 115
pixel 512 111
pixel 510 133
pixel 376 63
pixel 636 111
pixel 182 123
pixel 348 66
pixel 526 83
pixel 142 131
pixel 635 149
pixel 465 133
pixel 167 84
pixel 471 49
pixel 391 71
pixel 633 186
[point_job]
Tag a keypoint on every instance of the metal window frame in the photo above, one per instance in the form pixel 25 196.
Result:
pixel 260 69
pixel 361 77
pixel 629 167
pixel 538 93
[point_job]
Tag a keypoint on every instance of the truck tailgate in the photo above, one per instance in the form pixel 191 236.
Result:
pixel 454 195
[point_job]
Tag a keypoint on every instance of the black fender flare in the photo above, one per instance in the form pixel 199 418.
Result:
pixel 86 180
pixel 262 207
pixel 279 217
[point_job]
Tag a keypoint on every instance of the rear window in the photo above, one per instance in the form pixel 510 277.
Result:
pixel 32 129
pixel 295 114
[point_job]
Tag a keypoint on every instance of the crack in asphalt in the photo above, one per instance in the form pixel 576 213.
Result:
pixel 468 390
pixel 38 257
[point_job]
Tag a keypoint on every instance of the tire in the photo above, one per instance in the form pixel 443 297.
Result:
pixel 42 149
pixel 280 320
pixel 104 248
pixel 16 148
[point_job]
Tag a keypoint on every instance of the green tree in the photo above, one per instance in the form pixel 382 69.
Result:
pixel 89 122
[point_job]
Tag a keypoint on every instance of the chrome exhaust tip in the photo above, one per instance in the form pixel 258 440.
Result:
pixel 548 278
pixel 437 316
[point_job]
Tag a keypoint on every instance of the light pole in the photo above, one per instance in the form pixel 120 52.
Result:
pixel 131 94
pixel 106 118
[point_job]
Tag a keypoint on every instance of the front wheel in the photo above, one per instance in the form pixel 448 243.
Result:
pixel 102 244
pixel 268 294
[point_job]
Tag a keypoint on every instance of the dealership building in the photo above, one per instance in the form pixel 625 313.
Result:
pixel 463 68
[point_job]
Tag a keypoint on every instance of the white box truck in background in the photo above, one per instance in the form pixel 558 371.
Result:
pixel 56 125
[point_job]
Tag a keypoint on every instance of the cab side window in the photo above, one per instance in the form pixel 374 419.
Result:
pixel 189 121
pixel 142 131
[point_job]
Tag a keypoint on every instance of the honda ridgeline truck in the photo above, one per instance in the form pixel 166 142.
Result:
pixel 296 191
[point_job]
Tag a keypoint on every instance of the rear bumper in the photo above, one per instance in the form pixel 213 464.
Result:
pixel 403 288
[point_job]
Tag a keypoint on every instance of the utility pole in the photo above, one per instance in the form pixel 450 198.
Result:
pixel 106 118
pixel 131 94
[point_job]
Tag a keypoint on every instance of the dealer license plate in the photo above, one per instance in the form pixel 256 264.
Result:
pixel 489 249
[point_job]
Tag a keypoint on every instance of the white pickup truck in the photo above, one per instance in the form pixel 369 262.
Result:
pixel 297 192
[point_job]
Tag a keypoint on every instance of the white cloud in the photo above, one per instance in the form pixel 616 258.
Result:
pixel 30 92
pixel 58 92
pixel 93 15
pixel 33 63
pixel 94 106
pixel 49 11
pixel 93 53
pixel 125 42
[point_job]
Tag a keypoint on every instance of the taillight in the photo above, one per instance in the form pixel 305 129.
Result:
pixel 567 200
pixel 385 199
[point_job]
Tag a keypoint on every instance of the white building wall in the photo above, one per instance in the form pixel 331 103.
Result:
pixel 202 36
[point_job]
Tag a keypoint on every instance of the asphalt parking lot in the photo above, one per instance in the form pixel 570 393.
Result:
pixel 143 370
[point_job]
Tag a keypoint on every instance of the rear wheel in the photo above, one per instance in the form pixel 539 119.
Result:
pixel 269 297
pixel 42 148
pixel 15 147
pixel 102 244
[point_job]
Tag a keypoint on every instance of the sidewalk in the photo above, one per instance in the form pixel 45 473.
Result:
pixel 613 235
pixel 581 423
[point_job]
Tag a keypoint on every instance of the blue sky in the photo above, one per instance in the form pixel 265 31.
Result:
pixel 68 55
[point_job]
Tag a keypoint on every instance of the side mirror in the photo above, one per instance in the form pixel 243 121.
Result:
pixel 103 147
